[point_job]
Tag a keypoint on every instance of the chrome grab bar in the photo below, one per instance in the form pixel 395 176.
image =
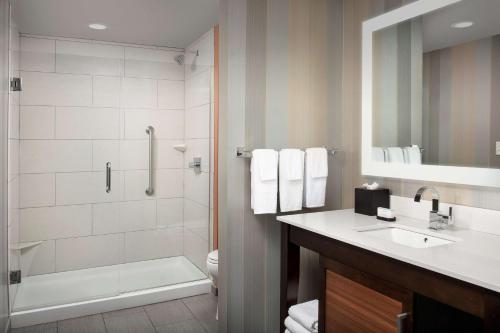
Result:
pixel 108 177
pixel 150 131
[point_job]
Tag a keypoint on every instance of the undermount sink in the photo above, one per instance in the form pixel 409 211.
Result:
pixel 404 236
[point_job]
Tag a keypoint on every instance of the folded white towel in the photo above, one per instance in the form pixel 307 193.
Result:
pixel 306 314
pixel 291 167
pixel 295 327
pixel 264 181
pixel 316 173
pixel 287 331
pixel 395 155
pixel 413 155
pixel 378 154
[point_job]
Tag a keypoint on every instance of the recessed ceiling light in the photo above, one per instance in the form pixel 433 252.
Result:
pixel 462 25
pixel 97 26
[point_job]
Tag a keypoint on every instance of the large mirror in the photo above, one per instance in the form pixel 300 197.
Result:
pixel 431 92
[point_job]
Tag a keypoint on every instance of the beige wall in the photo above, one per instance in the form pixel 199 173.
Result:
pixel 290 76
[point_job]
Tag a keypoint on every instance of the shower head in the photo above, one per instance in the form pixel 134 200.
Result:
pixel 179 59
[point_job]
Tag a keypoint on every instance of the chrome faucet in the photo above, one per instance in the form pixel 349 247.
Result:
pixel 436 220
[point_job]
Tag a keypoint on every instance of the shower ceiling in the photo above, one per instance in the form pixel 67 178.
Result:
pixel 174 23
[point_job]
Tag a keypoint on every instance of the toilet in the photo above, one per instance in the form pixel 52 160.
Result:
pixel 213 266
pixel 213 272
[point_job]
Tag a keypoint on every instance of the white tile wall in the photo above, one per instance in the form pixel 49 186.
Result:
pixel 55 222
pixel 44 260
pixel 106 218
pixel 104 151
pixel 144 245
pixel 197 148
pixel 106 91
pixel 139 93
pixel 87 123
pixel 86 187
pixel 38 54
pixel 198 122
pixel 56 89
pixel 198 90
pixel 137 215
pixel 88 58
pixel 43 156
pixel 196 249
pixel 168 124
pixel 170 212
pixel 166 156
pixel 196 186
pixel 152 63
pixel 171 94
pixel 37 190
pixel 85 103
pixel 37 122
pixel 92 251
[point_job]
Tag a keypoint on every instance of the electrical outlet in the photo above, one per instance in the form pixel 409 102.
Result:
pixel 498 148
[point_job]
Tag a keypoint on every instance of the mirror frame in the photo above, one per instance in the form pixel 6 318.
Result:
pixel 434 173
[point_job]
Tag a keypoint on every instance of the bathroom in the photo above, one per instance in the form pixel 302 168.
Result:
pixel 384 87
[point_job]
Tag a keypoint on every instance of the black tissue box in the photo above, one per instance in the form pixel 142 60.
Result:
pixel 366 201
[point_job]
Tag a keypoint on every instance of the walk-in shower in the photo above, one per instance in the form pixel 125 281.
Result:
pixel 109 168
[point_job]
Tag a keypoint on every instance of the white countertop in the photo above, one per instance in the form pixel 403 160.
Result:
pixel 475 258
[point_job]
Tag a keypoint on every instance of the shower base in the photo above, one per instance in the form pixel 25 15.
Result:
pixel 57 296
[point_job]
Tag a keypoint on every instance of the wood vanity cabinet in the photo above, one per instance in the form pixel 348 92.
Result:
pixel 365 292
pixel 357 302
pixel 354 301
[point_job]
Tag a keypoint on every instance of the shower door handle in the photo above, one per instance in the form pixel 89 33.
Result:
pixel 150 189
pixel 108 177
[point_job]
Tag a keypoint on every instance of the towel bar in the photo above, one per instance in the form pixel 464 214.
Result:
pixel 242 152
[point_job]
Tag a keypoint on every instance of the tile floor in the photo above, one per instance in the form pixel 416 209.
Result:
pixel 189 315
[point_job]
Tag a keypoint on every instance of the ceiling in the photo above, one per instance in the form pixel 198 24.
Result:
pixel 437 30
pixel 173 23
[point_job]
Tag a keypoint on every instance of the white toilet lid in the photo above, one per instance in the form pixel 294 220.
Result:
pixel 213 256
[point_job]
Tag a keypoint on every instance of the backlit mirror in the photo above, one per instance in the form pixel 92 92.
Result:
pixel 433 95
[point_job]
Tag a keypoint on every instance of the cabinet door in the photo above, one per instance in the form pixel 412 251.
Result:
pixel 352 307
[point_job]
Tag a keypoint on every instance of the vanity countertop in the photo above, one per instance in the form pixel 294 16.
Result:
pixel 475 258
